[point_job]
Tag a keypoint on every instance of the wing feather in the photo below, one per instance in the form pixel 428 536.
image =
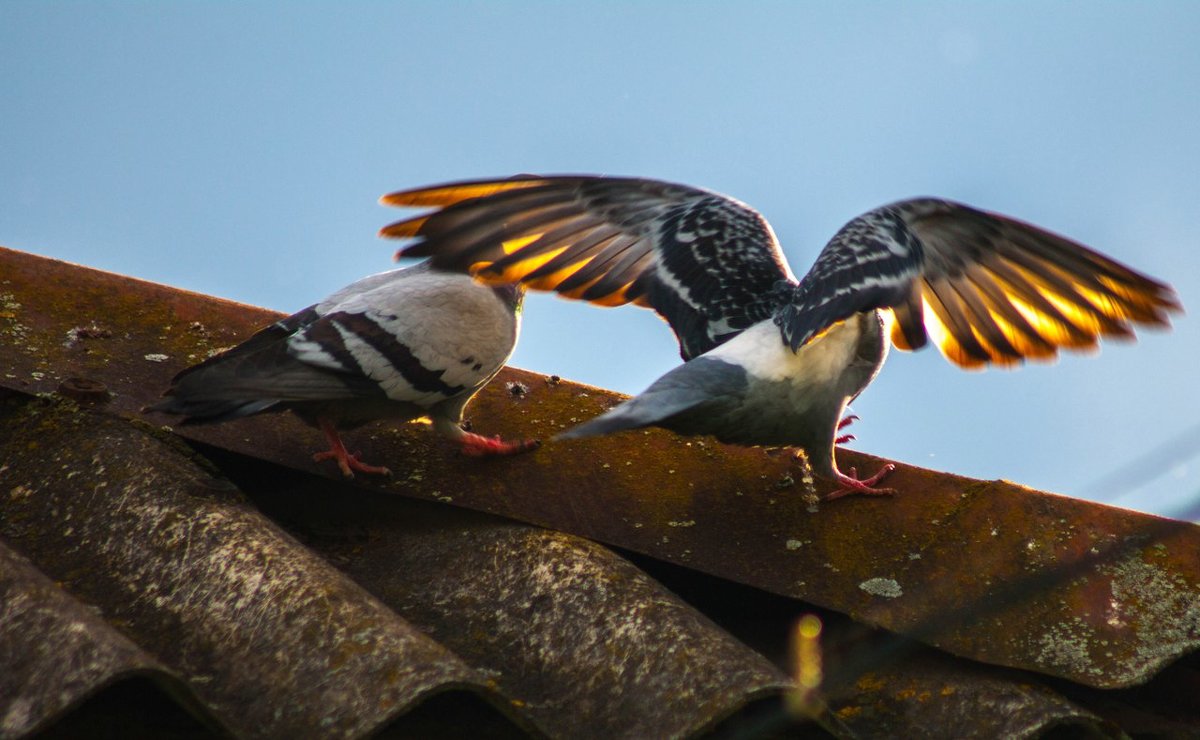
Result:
pixel 447 195
pixel 619 276
pixel 585 239
pixel 1020 333
pixel 706 263
pixel 986 288
pixel 586 251
pixel 943 299
pixel 908 328
pixel 992 290
pixel 993 338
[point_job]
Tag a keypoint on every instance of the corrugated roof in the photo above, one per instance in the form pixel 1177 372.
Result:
pixel 254 592
pixel 276 642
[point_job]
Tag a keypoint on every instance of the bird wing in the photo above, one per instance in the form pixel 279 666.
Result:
pixel 258 375
pixel 263 368
pixel 987 288
pixel 706 263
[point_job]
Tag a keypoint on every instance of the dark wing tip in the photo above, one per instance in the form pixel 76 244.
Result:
pixel 411 251
pixel 446 194
pixel 406 229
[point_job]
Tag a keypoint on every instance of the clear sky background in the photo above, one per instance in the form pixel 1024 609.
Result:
pixel 239 149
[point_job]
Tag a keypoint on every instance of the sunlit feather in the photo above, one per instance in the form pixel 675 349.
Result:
pixel 945 340
pixel 455 193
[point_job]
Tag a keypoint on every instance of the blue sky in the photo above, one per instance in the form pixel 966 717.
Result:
pixel 239 149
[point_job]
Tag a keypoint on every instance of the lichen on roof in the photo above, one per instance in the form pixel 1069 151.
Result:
pixel 982 574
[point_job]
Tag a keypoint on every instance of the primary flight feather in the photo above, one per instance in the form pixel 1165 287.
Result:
pixel 769 359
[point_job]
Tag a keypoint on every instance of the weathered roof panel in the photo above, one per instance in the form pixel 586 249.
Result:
pixel 879 684
pixel 435 614
pixel 563 627
pixel 270 638
pixel 566 627
pixel 563 634
pixel 737 513
pixel 934 696
pixel 56 652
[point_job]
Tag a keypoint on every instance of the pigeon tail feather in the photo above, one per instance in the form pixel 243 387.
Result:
pixel 211 411
pixel 691 399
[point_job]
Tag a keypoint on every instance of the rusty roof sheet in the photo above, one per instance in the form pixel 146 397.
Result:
pixel 56 652
pixel 275 641
pixel 271 638
pixel 523 625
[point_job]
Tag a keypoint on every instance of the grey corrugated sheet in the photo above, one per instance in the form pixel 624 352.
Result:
pixel 272 639
pixel 1067 588
pixel 162 569
pixel 564 636
pixel 249 592
pixel 55 650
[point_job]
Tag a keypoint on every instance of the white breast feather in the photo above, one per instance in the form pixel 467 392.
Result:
pixel 763 353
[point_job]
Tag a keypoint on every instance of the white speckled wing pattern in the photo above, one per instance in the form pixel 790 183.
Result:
pixel 988 288
pixel 708 264
pixel 985 287
pixel 870 263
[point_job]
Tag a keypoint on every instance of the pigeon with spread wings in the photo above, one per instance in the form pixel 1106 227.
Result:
pixel 771 360
pixel 401 344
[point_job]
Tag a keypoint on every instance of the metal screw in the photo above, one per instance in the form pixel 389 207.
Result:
pixel 83 389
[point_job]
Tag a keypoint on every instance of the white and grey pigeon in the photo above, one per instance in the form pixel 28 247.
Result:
pixel 401 344
pixel 769 359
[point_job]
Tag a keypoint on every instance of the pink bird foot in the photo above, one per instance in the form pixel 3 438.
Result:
pixel 477 445
pixel 348 462
pixel 851 484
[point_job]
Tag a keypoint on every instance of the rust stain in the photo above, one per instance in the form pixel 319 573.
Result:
pixel 989 570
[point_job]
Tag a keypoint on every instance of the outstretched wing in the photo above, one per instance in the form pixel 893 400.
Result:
pixel 987 288
pixel 706 263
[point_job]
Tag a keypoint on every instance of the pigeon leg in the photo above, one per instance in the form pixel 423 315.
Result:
pixel 347 461
pixel 477 445
pixel 851 484
pixel 843 439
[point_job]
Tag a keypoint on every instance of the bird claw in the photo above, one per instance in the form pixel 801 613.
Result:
pixel 349 462
pixel 851 484
pixel 477 445
pixel 844 438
